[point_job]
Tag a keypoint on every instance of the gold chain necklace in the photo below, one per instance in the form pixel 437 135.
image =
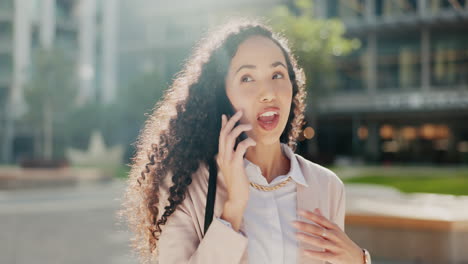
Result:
pixel 270 188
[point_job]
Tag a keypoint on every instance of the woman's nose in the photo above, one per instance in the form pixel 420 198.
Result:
pixel 267 92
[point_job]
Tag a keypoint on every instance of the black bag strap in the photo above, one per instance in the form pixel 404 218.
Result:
pixel 210 198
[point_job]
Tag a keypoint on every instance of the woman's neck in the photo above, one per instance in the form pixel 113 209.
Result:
pixel 270 159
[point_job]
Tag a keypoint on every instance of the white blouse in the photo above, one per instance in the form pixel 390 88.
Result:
pixel 268 215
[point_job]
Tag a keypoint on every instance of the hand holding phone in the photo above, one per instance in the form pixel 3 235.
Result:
pixel 231 164
pixel 242 136
pixel 230 112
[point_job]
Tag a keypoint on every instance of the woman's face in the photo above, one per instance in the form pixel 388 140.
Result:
pixel 258 84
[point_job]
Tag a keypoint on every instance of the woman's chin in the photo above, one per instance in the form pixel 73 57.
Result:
pixel 266 139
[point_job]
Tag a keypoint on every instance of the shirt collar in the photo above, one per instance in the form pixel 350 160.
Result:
pixel 254 173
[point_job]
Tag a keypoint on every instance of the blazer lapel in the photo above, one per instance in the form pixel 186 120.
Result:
pixel 221 198
pixel 308 198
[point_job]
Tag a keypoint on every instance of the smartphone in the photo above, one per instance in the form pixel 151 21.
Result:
pixel 229 112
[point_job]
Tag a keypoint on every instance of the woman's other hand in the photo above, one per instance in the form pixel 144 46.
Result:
pixel 231 164
pixel 339 248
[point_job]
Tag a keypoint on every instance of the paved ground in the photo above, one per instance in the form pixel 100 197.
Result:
pixel 383 200
pixel 63 225
pixel 79 225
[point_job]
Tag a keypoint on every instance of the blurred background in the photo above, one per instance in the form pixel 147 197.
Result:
pixel 387 84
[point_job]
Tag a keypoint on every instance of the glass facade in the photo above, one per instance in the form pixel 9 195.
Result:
pixel 345 9
pixel 6 5
pixel 437 6
pixel 399 61
pixel 67 40
pixel 351 70
pixel 5 78
pixel 449 57
pixel 64 10
pixel 399 58
pixel 6 49
pixel 405 89
pixel 394 8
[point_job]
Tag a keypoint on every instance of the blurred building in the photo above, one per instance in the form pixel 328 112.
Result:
pixel 403 96
pixel 85 30
pixel 158 36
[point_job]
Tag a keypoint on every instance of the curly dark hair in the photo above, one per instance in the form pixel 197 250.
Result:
pixel 182 132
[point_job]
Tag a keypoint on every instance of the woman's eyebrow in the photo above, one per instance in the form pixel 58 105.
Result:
pixel 274 64
pixel 249 66
pixel 246 66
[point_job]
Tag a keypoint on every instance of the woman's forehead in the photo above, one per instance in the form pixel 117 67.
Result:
pixel 257 51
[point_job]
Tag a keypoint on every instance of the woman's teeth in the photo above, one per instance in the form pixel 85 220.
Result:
pixel 267 117
pixel 268 122
pixel 271 113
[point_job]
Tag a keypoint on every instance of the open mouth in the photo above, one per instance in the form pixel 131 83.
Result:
pixel 268 120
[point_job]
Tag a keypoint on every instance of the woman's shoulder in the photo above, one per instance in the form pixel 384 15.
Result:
pixel 315 172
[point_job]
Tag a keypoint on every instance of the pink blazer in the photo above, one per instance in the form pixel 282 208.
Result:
pixel 182 239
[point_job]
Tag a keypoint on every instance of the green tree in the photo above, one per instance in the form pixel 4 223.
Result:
pixel 316 43
pixel 120 121
pixel 139 97
pixel 50 96
pixel 133 104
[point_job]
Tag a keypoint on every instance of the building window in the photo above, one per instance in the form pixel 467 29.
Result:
pixel 6 66
pixel 346 9
pixel 351 69
pixel 392 8
pixel 6 35
pixel 6 5
pixel 437 6
pixel 449 57
pixel 399 61
pixel 332 8
pixel 349 10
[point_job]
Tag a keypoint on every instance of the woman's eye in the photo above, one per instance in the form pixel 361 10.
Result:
pixel 246 79
pixel 278 76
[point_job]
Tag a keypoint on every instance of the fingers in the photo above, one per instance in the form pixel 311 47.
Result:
pixel 243 146
pixel 338 248
pixel 226 127
pixel 317 241
pixel 229 134
pixel 221 137
pixel 231 123
pixel 324 256
pixel 318 219
pixel 315 230
pixel 230 139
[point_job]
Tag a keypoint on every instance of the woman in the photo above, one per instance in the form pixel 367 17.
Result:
pixel 272 206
